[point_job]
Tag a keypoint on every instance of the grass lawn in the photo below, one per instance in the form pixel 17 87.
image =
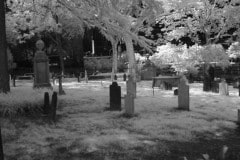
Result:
pixel 86 130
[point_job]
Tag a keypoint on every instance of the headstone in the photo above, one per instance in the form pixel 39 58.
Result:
pixel 129 104
pixel 183 95
pixel 86 77
pixel 115 77
pixel 41 67
pixel 124 77
pixel 131 87
pixel 46 103
pixel 175 92
pixel 53 108
pixel 115 97
pixel 223 88
pixel 1 146
pixel 60 88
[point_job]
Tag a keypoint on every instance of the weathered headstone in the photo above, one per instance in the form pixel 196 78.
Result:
pixel 115 77
pixel 60 88
pixel 183 95
pixel 124 77
pixel 175 92
pixel 223 88
pixel 41 67
pixel 1 146
pixel 46 103
pixel 86 77
pixel 131 87
pixel 53 107
pixel 129 104
pixel 115 96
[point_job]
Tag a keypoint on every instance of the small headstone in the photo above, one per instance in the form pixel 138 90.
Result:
pixel 223 88
pixel 86 77
pixel 131 87
pixel 124 77
pixel 46 103
pixel 53 107
pixel 129 104
pixel 175 92
pixel 1 146
pixel 60 88
pixel 115 97
pixel 183 95
pixel 115 77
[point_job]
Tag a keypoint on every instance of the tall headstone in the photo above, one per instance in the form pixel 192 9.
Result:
pixel 223 88
pixel 41 67
pixel 183 95
pixel 115 96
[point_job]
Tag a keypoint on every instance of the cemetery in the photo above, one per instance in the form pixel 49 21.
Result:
pixel 119 80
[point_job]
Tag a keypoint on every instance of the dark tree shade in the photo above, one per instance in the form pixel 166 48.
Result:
pixel 4 77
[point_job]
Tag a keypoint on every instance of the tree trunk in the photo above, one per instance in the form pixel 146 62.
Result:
pixel 131 57
pixel 60 53
pixel 114 59
pixel 4 76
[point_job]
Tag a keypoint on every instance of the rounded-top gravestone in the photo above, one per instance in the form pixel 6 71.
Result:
pixel 41 67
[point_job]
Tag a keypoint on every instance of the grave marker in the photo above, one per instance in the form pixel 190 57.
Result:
pixel 183 95
pixel 46 103
pixel 115 96
pixel 53 107
pixel 223 88
pixel 124 77
pixel 41 67
pixel 86 77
